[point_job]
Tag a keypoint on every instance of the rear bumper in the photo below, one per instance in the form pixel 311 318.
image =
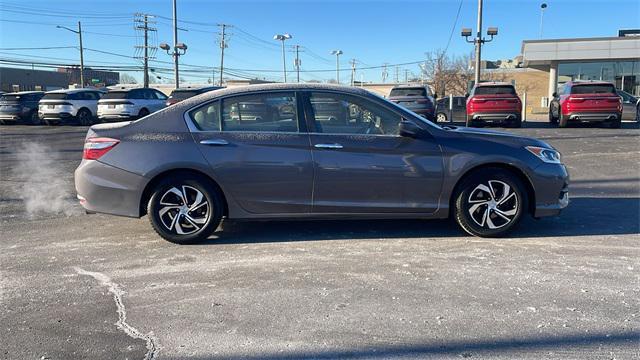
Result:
pixel 10 116
pixel 594 116
pixel 123 116
pixel 551 185
pixel 103 188
pixel 60 116
pixel 499 116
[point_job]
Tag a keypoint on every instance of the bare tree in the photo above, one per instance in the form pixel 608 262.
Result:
pixel 127 79
pixel 447 74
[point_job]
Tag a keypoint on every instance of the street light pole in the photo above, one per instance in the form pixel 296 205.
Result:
pixel 543 6
pixel 79 32
pixel 175 44
pixel 337 53
pixel 283 37
pixel 478 42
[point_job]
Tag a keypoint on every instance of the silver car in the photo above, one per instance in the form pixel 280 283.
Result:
pixel 312 151
pixel 130 103
pixel 63 106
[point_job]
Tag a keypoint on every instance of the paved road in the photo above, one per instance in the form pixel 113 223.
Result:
pixel 100 287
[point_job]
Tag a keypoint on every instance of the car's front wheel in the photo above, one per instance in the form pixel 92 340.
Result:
pixel 185 209
pixel 441 117
pixel 490 202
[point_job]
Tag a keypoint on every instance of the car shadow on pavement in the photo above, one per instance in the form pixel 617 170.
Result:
pixel 584 216
pixel 515 347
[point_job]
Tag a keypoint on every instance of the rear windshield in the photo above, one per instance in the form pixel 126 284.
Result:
pixel 494 90
pixel 183 94
pixel 55 96
pixel 409 92
pixel 115 95
pixel 593 89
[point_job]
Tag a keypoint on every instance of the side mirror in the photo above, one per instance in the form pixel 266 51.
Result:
pixel 555 94
pixel 408 128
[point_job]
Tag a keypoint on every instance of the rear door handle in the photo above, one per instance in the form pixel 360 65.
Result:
pixel 328 146
pixel 214 142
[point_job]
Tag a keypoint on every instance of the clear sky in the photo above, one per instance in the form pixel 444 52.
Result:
pixel 373 32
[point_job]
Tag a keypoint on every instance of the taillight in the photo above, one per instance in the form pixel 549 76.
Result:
pixel 94 148
pixel 575 99
pixel 478 100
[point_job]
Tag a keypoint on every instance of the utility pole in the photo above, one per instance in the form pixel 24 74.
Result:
pixel 397 74
pixel 353 71
pixel 79 32
pixel 337 53
pixel 297 61
pixel 223 45
pixel 479 40
pixel 142 24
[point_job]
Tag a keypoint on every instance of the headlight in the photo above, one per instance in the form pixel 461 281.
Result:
pixel 544 154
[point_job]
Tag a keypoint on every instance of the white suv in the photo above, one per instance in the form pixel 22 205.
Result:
pixel 122 104
pixel 64 105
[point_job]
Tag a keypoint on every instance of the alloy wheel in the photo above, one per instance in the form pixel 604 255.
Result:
pixel 493 205
pixel 184 210
pixel 441 117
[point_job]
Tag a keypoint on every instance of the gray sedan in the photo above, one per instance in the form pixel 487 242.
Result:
pixel 260 152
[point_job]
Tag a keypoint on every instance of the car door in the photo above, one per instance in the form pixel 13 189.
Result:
pixel 362 164
pixel 258 150
pixel 459 108
pixel 159 99
pixel 628 106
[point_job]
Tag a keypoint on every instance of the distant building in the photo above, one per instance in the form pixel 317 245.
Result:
pixel 15 79
pixel 19 79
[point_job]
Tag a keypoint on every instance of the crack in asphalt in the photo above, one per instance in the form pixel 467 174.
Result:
pixel 116 290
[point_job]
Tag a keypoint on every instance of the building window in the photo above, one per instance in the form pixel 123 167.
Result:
pixel 625 75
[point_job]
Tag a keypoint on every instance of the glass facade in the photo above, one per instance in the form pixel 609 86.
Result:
pixel 624 74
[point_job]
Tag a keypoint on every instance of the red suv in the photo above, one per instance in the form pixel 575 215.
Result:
pixel 586 101
pixel 494 102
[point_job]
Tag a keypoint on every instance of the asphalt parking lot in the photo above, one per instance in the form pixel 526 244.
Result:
pixel 101 287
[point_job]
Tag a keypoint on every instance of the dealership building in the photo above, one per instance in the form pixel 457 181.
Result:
pixel 612 59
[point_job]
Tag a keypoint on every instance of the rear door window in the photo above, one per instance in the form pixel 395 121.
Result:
pixel 207 117
pixel 270 112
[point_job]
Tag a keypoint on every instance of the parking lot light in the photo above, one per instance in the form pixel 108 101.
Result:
pixel 283 38
pixel 337 53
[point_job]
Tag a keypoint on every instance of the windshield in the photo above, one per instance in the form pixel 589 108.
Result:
pixel 404 111
pixel 115 95
pixel 409 92
pixel 495 90
pixel 593 89
pixel 54 96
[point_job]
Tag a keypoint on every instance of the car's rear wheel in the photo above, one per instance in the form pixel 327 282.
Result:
pixel 441 117
pixel 517 123
pixel 84 117
pixel 562 120
pixel 143 112
pixel 34 119
pixel 470 122
pixel 490 202
pixel 185 209
pixel 617 123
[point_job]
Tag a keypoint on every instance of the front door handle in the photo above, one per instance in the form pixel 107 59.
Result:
pixel 214 142
pixel 328 146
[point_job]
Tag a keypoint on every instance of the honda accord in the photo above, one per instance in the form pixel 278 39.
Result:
pixel 204 159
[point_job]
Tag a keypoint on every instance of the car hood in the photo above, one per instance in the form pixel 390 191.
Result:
pixel 499 136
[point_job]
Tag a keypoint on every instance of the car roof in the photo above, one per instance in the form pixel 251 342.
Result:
pixel 588 82
pixel 196 88
pixel 247 89
pixel 494 83
pixel 409 86
pixel 127 89
pixel 24 93
pixel 70 91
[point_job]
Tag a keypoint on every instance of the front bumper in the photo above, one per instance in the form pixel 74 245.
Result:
pixel 103 188
pixel 551 186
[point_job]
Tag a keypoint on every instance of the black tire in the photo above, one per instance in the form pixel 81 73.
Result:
pixel 470 122
pixel 552 119
pixel 441 117
pixel 84 117
pixel 143 112
pixel 617 123
pixel 517 123
pixel 162 218
pixel 638 113
pixel 34 119
pixel 484 220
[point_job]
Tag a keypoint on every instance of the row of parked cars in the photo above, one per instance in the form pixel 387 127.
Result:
pixel 87 106
pixel 498 102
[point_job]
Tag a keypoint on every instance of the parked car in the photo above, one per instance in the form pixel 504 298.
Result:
pixel 418 99
pixel 630 106
pixel 378 160
pixel 64 106
pixel 458 111
pixel 130 103
pixel 20 107
pixel 178 95
pixel 590 101
pixel 495 102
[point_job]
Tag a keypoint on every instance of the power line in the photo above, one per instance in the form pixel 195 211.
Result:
pixel 453 27
pixel 41 48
